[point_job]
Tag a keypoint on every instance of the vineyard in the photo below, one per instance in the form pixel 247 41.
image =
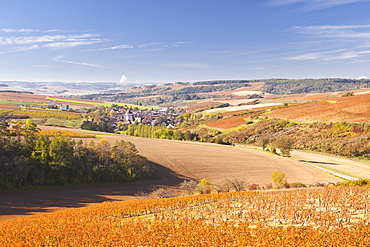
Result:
pixel 337 216
pixel 351 109
pixel 37 113
pixel 65 132
pixel 227 123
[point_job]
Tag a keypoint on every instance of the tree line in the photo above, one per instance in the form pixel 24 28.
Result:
pixel 28 159
pixel 187 93
pixel 299 86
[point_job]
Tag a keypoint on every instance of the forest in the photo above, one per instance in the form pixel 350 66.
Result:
pixel 186 93
pixel 198 90
pixel 289 86
pixel 29 159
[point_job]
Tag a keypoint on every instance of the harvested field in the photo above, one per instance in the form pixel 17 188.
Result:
pixel 216 163
pixel 10 96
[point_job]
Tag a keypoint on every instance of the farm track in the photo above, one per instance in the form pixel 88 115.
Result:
pixel 176 161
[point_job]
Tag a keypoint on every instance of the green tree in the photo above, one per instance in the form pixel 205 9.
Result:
pixel 41 150
pixel 61 160
pixel 103 151
pixel 17 127
pixel 278 179
pixel 123 151
pixel 4 128
pixel 30 129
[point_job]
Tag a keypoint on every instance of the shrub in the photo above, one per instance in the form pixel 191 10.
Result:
pixel 189 186
pixel 297 185
pixel 236 184
pixel 360 182
pixel 204 186
pixel 253 187
pixel 269 186
pixel 279 179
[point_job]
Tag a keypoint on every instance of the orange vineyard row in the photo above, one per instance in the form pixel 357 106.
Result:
pixel 65 132
pixel 337 216
pixel 228 123
pixel 353 109
pixel 40 114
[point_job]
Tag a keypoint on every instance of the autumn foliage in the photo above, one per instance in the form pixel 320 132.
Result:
pixel 65 132
pixel 352 109
pixel 337 216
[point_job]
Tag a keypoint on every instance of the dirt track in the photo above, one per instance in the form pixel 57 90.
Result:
pixel 176 161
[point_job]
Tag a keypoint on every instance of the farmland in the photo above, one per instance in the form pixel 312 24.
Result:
pixel 336 109
pixel 176 161
pixel 287 215
pixel 316 217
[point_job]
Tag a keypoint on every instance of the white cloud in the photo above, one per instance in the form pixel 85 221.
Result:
pixel 16 37
pixel 22 48
pixel 284 2
pixel 9 30
pixel 27 30
pixel 116 47
pixel 340 31
pixel 123 79
pixel 154 46
pixel 22 40
pixel 63 45
pixel 330 55
pixel 60 59
pixel 149 45
pixel 341 42
pixel 315 4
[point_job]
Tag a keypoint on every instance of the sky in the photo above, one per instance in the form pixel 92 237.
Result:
pixel 162 41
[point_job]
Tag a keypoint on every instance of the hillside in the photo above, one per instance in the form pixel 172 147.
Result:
pixel 335 109
pixel 316 217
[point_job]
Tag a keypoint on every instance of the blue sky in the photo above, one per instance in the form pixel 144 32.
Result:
pixel 183 40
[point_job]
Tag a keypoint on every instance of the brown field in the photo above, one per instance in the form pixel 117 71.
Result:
pixel 23 97
pixel 201 104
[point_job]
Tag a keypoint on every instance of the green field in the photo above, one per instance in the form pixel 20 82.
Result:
pixel 11 102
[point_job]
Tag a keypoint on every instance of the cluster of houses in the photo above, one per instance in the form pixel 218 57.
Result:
pixel 145 116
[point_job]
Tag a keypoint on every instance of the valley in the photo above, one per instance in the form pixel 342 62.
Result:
pixel 206 122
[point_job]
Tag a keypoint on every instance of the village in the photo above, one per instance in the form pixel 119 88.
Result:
pixel 117 118
pixel 166 116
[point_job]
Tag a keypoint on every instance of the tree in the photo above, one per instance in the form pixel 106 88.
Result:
pixel 103 151
pixel 30 129
pixel 285 144
pixel 61 160
pixel 204 186
pixel 17 127
pixel 41 150
pixel 123 151
pixel 4 128
pixel 189 186
pixel 264 140
pixel 278 179
pixel 237 184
